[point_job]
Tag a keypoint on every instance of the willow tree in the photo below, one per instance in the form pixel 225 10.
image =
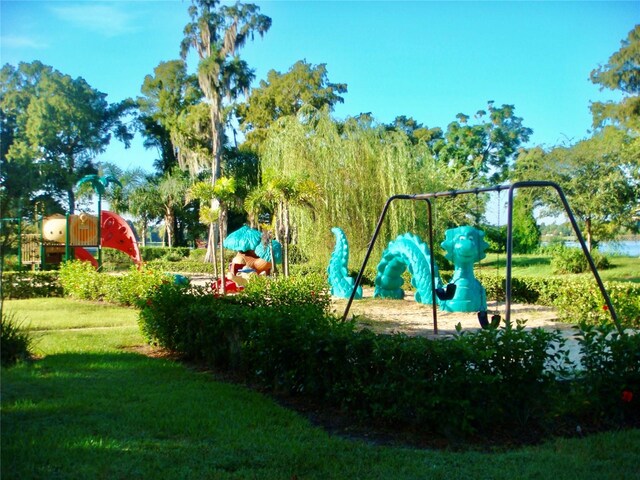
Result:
pixel 217 32
pixel 357 165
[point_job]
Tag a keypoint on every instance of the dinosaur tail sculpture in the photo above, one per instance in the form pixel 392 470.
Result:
pixel 341 283
pixel 407 251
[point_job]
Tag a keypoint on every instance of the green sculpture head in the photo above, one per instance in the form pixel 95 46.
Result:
pixel 464 245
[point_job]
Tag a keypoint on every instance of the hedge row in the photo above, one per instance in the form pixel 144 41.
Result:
pixel 80 280
pixel 578 299
pixel 19 285
pixel 279 335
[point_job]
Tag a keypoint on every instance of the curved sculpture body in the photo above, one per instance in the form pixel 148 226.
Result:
pixel 407 251
pixel 465 246
pixel 339 280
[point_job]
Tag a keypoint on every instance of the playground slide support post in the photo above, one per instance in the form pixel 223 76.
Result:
pixel 99 231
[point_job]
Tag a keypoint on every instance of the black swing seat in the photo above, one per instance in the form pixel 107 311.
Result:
pixel 483 318
pixel 446 293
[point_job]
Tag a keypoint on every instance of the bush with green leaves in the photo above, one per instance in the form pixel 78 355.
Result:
pixel 279 335
pixel 580 300
pixel 155 253
pixel 15 341
pixel 18 285
pixel 185 266
pixel 132 287
pixel 80 280
pixel 609 382
pixel 573 260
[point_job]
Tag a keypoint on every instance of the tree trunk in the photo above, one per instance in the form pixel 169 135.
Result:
pixel 168 225
pixel 210 256
pixel 223 287
pixel 286 239
pixel 587 224
pixel 72 201
pixel 143 232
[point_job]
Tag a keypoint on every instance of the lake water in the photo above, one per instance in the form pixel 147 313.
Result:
pixel 630 248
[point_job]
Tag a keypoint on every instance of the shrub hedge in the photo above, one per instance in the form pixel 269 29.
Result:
pixel 80 280
pixel 577 298
pixel 280 336
pixel 26 284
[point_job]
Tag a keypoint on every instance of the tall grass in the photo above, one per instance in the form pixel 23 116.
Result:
pixel 102 411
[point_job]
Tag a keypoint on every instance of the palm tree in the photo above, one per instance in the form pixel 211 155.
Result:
pixel 219 194
pixel 145 205
pixel 171 191
pixel 130 180
pixel 278 194
pixel 99 185
pixel 216 33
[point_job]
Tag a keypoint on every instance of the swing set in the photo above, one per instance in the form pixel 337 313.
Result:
pixel 449 291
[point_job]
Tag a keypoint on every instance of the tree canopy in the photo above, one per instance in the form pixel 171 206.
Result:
pixel 56 125
pixel 283 94
pixel 484 150
pixel 621 72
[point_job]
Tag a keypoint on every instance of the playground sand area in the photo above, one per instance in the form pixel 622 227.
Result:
pixel 416 319
pixel 413 318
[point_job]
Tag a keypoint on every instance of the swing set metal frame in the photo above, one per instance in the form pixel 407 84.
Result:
pixel 427 197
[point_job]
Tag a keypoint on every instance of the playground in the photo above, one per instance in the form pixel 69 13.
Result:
pixel 414 318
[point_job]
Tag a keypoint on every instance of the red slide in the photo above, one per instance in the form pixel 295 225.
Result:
pixel 81 254
pixel 116 233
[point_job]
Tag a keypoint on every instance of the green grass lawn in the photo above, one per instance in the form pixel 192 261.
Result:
pixel 90 407
pixel 624 269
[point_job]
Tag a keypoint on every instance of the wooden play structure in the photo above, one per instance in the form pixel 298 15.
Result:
pixel 63 237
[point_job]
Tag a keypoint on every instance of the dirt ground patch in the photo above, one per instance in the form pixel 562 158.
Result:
pixel 413 318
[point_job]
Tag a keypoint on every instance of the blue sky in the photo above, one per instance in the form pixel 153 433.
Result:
pixel 427 60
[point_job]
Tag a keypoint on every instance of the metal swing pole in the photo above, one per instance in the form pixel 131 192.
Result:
pixel 509 247
pixel 576 229
pixel 369 250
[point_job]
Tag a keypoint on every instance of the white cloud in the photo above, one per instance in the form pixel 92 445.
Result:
pixel 106 19
pixel 21 41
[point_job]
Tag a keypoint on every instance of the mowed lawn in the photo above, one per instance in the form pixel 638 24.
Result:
pixel 91 407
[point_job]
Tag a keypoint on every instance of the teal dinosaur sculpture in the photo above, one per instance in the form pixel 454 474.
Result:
pixel 407 251
pixel 464 246
pixel 339 279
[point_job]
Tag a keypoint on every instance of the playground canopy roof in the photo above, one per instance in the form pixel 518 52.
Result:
pixel 243 239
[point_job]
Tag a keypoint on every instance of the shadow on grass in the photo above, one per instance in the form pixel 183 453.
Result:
pixel 124 415
pixel 128 416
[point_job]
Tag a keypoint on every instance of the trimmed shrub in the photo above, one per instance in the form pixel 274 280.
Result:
pixel 278 335
pixel 15 342
pixel 184 266
pixel 80 280
pixel 154 253
pixel 580 300
pixel 609 383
